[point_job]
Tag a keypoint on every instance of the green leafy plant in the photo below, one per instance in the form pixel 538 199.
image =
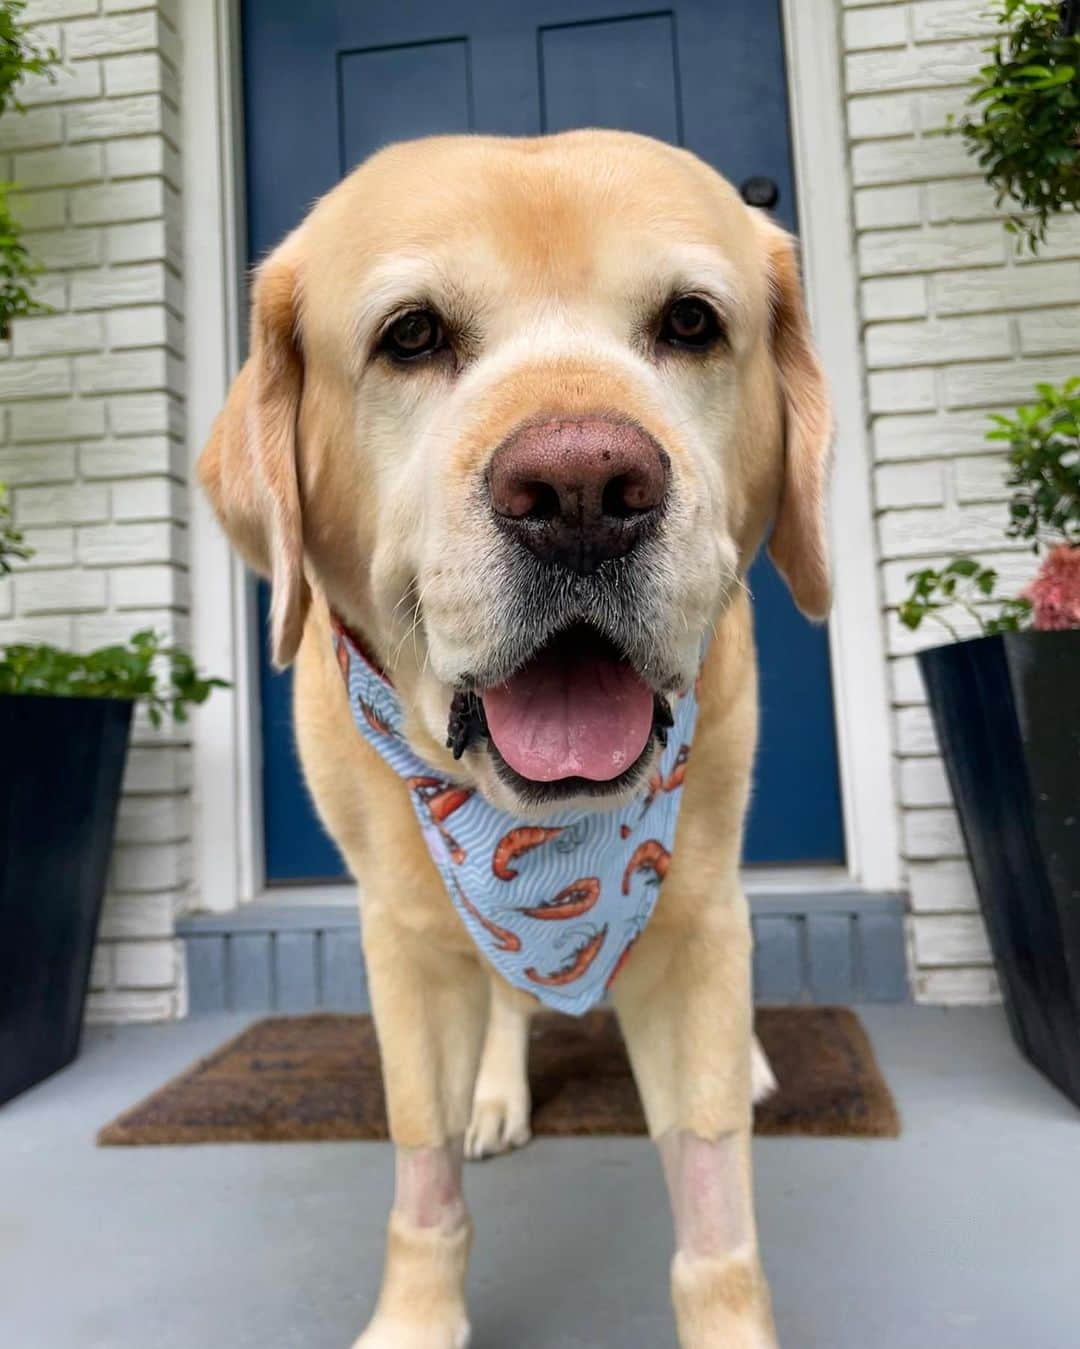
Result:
pixel 163 677
pixel 1044 509
pixel 1044 464
pixel 20 56
pixel 11 539
pixel 130 671
pixel 1025 125
pixel 961 583
pixel 18 271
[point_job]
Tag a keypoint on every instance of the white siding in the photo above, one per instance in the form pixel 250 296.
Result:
pixel 956 325
pixel 92 421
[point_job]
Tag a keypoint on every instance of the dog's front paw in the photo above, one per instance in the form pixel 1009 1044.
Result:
pixel 498 1124
pixel 391 1332
pixel 421 1305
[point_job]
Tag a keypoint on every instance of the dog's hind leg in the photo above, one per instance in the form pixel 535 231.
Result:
pixel 501 1104
pixel 685 1008
pixel 430 1004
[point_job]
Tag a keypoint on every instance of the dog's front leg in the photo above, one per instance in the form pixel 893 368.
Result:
pixel 685 1008
pixel 501 1105
pixel 430 1005
pixel 718 1289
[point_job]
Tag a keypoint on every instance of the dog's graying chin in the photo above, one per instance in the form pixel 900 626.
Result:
pixel 620 600
pixel 653 611
pixel 639 604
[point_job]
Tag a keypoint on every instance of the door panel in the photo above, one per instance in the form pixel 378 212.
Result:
pixel 619 73
pixel 400 93
pixel 328 82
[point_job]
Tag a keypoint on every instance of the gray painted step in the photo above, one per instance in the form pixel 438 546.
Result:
pixel 836 946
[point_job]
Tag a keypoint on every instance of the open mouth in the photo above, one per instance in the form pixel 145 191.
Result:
pixel 576 718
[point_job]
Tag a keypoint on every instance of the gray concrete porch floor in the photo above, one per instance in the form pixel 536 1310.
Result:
pixel 964 1232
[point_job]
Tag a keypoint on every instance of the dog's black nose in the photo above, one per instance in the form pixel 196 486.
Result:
pixel 578 492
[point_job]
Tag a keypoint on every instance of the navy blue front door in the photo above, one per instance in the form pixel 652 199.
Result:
pixel 329 81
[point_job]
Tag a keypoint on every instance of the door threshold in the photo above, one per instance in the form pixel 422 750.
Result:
pixel 297 948
pixel 318 895
pixel 801 880
pixel 757 880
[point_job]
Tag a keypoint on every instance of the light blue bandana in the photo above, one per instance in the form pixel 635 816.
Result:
pixel 554 908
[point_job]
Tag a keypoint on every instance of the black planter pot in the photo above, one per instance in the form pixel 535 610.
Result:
pixel 63 760
pixel 1007 714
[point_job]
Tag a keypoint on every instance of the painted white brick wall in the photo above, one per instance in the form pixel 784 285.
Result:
pixel 956 325
pixel 91 423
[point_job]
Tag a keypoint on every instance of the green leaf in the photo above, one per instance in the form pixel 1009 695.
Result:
pixel 117 671
pixel 1062 76
pixel 20 55
pixel 911 614
pixel 1023 111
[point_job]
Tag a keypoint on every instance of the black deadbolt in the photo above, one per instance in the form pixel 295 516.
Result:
pixel 760 192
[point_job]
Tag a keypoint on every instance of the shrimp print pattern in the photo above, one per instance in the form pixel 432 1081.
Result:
pixel 554 908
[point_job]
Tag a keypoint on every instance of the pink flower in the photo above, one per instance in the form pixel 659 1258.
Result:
pixel 1055 591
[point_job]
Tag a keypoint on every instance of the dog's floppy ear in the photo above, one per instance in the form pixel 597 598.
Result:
pixel 799 544
pixel 249 466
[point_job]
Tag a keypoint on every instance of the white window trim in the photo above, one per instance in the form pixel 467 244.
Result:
pixel 228 850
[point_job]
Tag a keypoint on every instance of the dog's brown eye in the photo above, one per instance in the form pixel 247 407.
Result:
pixel 690 323
pixel 417 333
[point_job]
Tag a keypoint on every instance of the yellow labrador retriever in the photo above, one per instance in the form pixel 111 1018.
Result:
pixel 485 373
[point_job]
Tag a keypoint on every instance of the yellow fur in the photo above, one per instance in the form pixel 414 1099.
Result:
pixel 354 485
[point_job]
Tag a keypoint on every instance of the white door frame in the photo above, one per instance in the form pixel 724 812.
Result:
pixel 860 671
pixel 228 852
pixel 226 782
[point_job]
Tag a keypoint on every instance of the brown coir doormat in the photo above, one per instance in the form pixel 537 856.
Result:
pixel 307 1078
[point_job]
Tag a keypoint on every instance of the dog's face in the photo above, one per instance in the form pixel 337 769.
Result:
pixel 523 410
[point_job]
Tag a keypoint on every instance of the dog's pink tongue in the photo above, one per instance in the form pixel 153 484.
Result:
pixel 591 718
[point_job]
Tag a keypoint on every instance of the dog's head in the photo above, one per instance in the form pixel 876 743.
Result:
pixel 524 410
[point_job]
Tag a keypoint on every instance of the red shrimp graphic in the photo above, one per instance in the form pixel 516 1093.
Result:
pixel 505 940
pixel 342 630
pixel 518 841
pixel 620 964
pixel 656 785
pixel 441 800
pixel 342 653
pixel 577 899
pixel 677 775
pixel 373 719
pixel 648 856
pixel 342 639
pixel 581 957
pixel 440 797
